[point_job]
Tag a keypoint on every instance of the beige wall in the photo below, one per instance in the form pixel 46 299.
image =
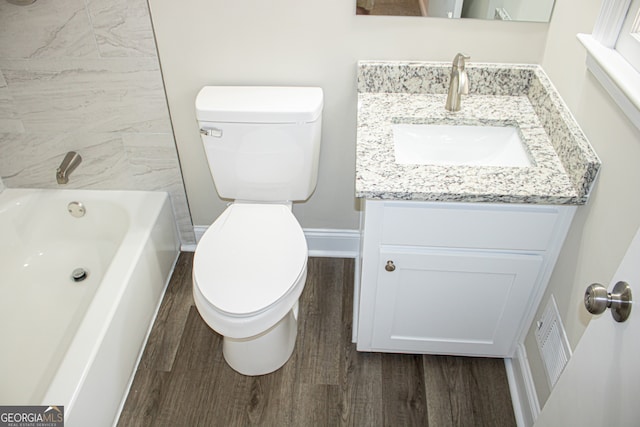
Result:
pixel 603 228
pixel 288 42
pixel 205 42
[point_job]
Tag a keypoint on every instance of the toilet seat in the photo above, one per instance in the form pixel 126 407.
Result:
pixel 250 258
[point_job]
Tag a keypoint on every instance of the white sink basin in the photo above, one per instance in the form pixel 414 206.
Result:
pixel 421 144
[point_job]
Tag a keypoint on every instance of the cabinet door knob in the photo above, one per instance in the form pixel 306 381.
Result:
pixel 390 266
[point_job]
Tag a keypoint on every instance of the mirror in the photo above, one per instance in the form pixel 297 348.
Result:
pixel 504 10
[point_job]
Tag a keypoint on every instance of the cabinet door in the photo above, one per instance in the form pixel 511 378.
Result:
pixel 451 301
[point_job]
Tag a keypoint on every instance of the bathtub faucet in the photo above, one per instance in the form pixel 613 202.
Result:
pixel 458 83
pixel 68 165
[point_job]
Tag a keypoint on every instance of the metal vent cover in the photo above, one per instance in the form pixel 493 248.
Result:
pixel 552 342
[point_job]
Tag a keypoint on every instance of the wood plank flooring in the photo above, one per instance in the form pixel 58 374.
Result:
pixel 396 8
pixel 182 379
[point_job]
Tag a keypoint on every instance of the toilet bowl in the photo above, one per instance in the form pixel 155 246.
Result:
pixel 249 270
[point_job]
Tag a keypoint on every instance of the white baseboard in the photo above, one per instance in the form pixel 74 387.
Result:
pixel 188 248
pixel 523 393
pixel 322 242
pixel 332 243
pixel 199 230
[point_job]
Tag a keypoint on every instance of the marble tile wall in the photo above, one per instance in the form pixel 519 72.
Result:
pixel 84 75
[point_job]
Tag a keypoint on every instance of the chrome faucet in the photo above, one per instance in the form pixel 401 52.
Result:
pixel 68 165
pixel 458 83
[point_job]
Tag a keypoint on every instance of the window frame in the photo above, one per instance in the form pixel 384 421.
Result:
pixel 628 43
pixel 620 79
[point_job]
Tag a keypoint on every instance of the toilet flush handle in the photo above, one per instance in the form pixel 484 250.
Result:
pixel 214 132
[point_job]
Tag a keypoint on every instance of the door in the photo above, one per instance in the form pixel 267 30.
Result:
pixel 601 384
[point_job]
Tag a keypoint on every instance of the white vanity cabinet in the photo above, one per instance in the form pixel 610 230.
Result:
pixel 453 278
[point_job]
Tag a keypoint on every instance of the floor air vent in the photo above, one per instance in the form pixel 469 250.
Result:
pixel 552 342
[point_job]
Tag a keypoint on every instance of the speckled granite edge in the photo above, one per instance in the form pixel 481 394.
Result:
pixel 578 158
pixel 572 147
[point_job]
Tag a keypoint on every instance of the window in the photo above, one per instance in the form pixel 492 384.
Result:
pixel 614 53
pixel 628 44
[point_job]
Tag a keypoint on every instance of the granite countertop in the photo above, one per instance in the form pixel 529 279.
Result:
pixel 564 165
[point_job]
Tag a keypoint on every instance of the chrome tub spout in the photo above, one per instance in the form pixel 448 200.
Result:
pixel 68 165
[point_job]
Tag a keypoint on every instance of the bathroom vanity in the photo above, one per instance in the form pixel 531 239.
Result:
pixel 455 256
pixel 454 278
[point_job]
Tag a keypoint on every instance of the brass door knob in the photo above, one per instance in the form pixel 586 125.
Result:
pixel 390 266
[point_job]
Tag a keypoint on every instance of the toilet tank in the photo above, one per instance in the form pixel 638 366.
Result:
pixel 261 143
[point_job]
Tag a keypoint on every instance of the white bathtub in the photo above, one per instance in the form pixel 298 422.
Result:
pixel 77 343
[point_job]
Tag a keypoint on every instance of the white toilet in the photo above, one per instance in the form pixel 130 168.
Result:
pixel 262 145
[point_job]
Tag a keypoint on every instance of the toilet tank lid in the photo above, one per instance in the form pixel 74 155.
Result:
pixel 259 104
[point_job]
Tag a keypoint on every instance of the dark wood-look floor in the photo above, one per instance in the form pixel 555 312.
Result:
pixel 182 379
pixel 396 8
